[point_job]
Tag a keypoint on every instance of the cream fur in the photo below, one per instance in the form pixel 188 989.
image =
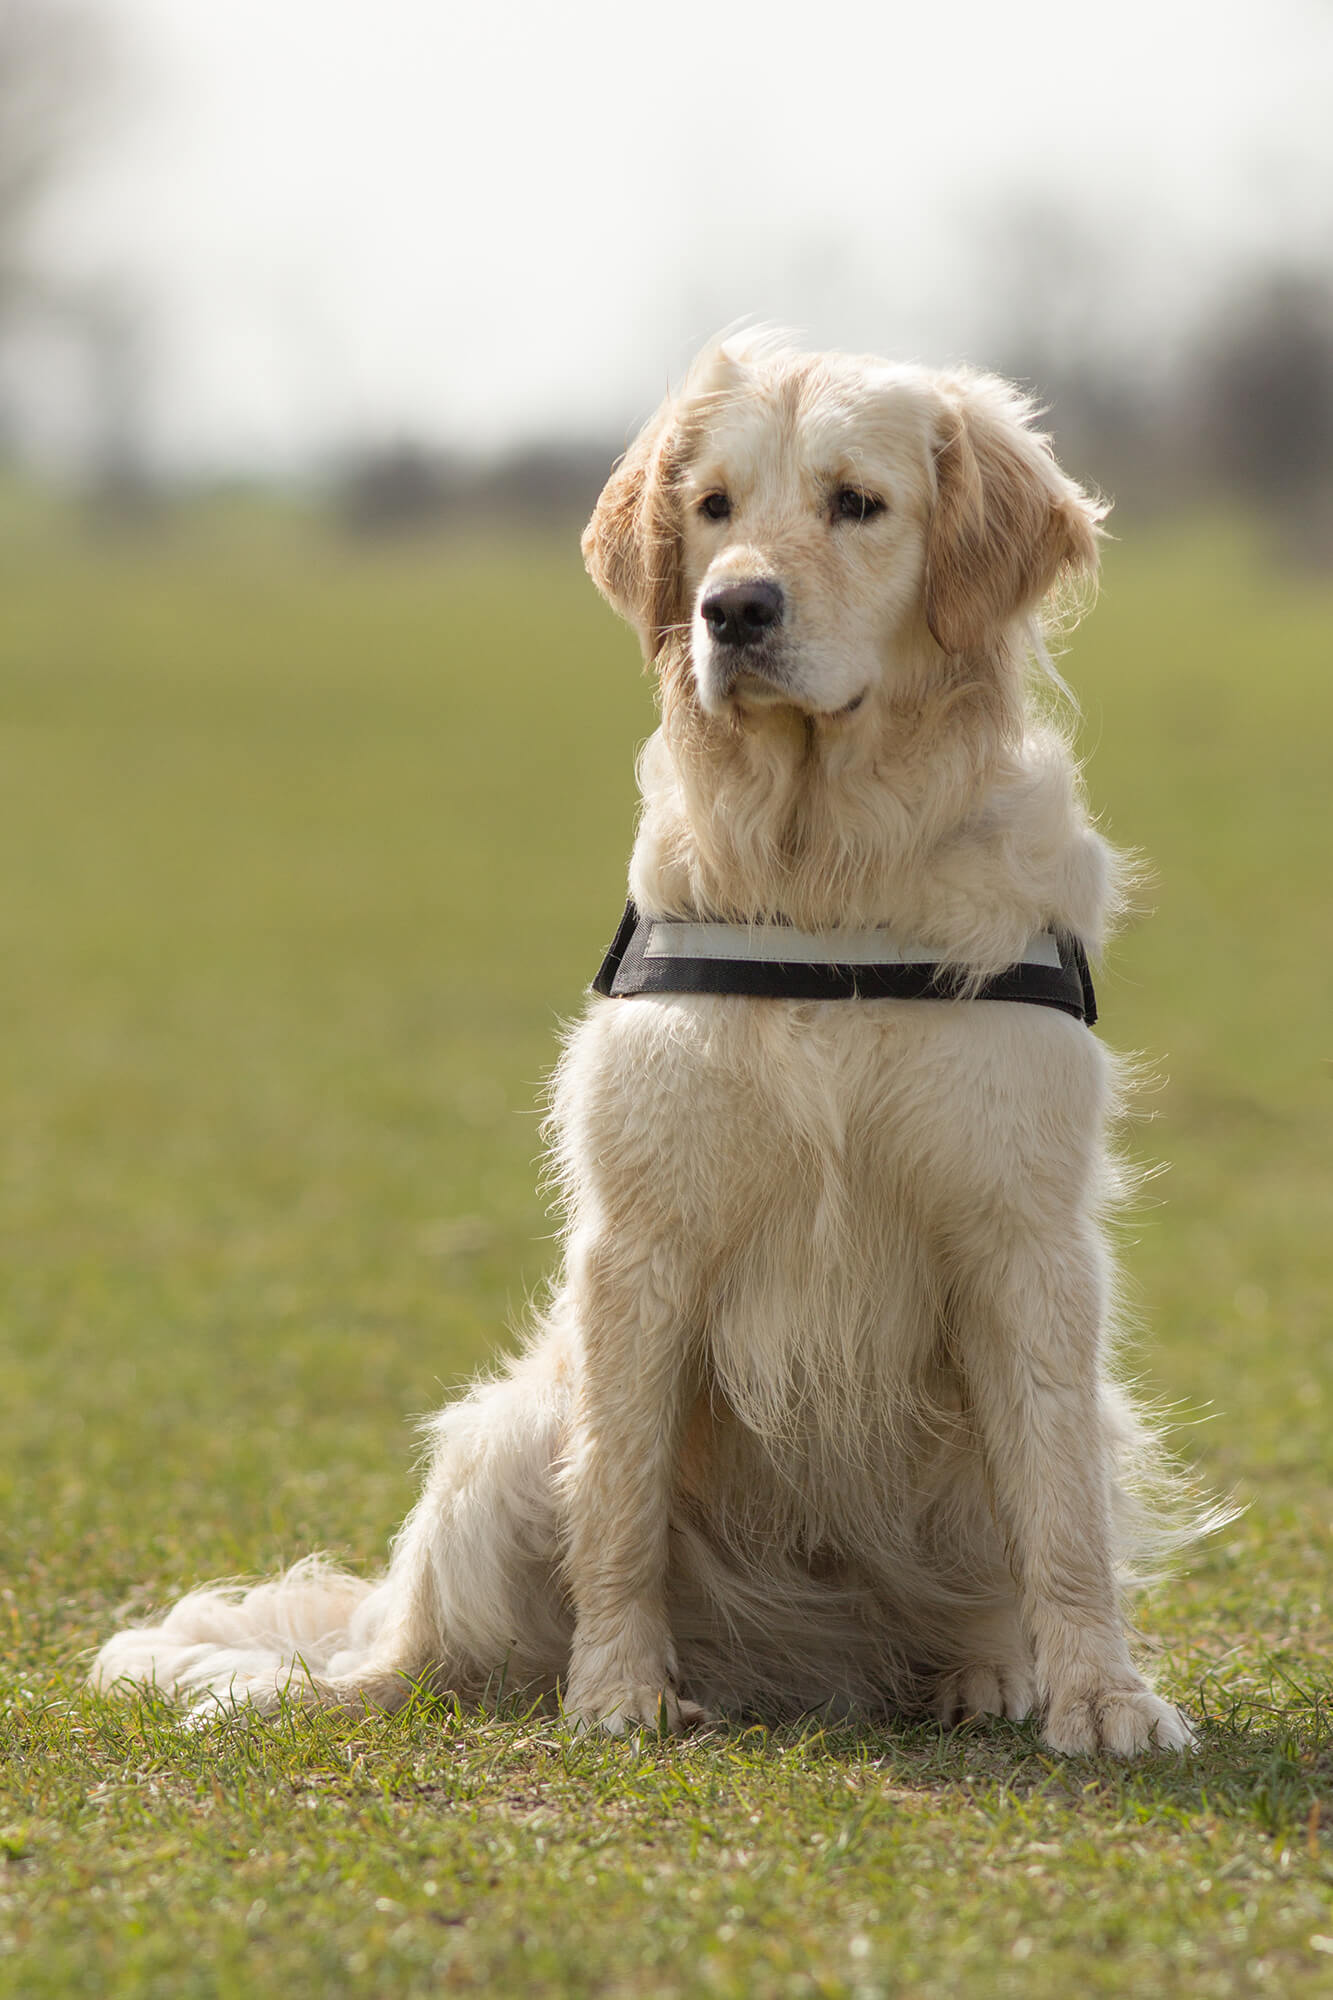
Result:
pixel 819 1411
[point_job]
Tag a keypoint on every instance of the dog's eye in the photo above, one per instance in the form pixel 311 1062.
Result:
pixel 851 504
pixel 715 506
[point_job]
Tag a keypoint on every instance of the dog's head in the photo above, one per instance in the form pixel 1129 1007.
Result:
pixel 819 524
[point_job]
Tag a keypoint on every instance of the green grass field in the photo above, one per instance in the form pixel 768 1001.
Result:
pixel 307 852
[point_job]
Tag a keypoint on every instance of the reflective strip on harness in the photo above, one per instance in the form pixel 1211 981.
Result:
pixel 766 961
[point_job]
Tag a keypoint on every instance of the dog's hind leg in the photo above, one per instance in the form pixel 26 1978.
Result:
pixel 996 1675
pixel 471 1599
pixel 474 1598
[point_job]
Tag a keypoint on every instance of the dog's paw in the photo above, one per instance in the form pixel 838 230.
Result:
pixel 1117 1721
pixel 618 1711
pixel 978 1690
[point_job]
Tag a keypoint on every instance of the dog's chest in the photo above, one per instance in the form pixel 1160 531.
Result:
pixel 812 1178
pixel 823 1140
pixel 741 1115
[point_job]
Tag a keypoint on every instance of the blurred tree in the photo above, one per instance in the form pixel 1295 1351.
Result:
pixel 50 58
pixel 1061 310
pixel 54 73
pixel 405 486
pixel 1265 390
pixel 394 488
pixel 1168 403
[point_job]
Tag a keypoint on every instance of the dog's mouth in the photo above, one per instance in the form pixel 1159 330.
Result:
pixel 751 687
pixel 765 670
pixel 731 681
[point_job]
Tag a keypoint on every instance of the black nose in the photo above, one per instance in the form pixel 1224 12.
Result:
pixel 741 614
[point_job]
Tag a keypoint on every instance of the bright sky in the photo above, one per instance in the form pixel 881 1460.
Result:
pixel 361 217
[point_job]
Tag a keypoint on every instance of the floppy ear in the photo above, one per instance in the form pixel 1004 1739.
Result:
pixel 632 543
pixel 1006 523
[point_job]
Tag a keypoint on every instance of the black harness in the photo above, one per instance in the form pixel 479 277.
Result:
pixel 655 955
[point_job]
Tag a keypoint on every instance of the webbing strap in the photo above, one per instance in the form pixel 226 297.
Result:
pixel 658 955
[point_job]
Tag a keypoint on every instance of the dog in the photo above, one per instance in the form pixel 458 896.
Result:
pixel 819 1415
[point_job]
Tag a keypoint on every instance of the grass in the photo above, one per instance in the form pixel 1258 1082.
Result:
pixel 308 850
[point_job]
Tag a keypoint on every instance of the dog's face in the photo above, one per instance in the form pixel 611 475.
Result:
pixel 820 524
pixel 802 511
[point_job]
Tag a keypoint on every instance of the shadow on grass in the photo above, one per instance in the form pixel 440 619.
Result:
pixel 1263 1757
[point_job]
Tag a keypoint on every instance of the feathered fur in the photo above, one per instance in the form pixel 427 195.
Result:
pixel 820 1410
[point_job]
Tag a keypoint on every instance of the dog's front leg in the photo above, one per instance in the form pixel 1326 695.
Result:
pixel 634 1386
pixel 1031 1353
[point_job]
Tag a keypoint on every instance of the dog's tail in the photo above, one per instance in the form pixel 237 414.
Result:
pixel 471 1598
pixel 311 1635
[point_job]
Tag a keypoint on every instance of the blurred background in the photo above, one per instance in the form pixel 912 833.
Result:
pixel 320 326
pixel 421 264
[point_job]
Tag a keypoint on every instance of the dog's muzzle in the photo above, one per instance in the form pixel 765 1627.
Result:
pixel 743 614
pixel 744 627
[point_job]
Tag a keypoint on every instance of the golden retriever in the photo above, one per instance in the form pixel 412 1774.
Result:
pixel 818 1414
